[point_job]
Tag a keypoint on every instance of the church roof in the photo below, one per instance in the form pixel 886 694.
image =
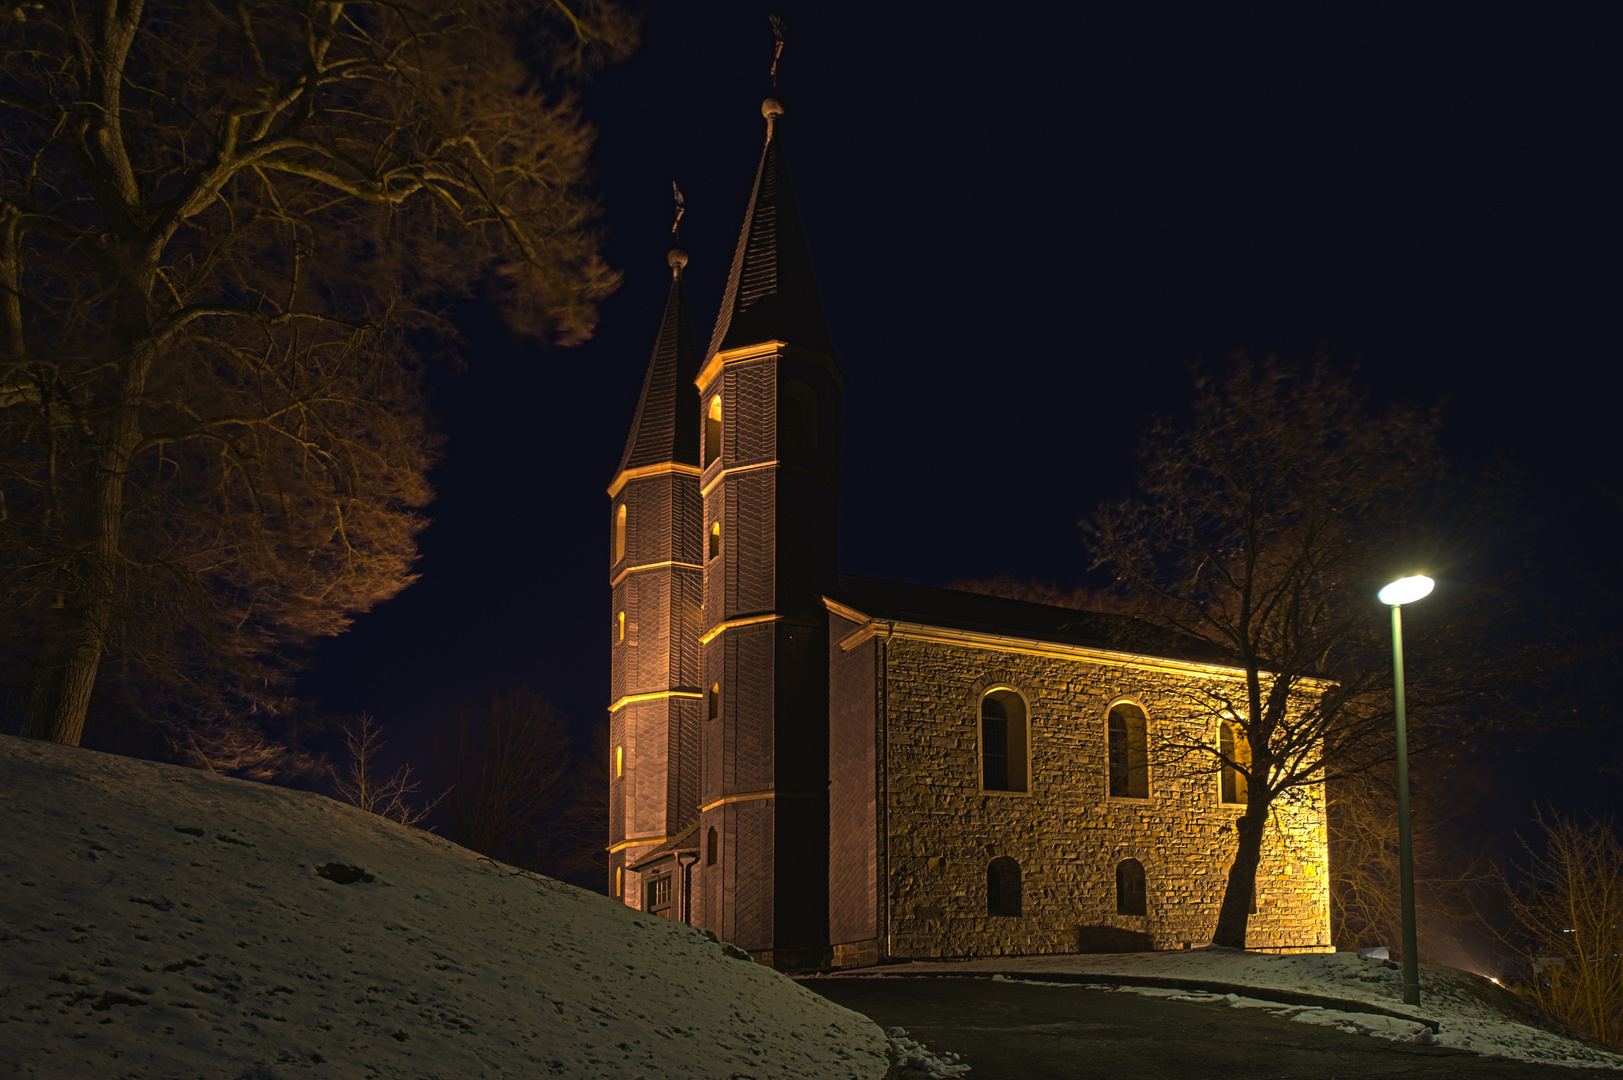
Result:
pixel 666 427
pixel 685 841
pixel 771 293
pixel 978 613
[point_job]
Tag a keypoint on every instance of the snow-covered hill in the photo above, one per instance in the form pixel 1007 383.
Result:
pixel 161 922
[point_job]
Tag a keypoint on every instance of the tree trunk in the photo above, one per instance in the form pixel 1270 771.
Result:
pixel 76 634
pixel 1242 884
pixel 65 675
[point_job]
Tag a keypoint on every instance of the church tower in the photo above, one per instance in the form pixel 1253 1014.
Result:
pixel 768 420
pixel 656 578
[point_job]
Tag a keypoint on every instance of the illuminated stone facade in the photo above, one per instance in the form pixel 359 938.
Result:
pixel 801 760
pixel 906 696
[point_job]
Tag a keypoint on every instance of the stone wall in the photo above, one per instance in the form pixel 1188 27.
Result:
pixel 1066 833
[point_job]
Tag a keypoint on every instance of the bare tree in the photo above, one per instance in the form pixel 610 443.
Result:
pixel 506 777
pixel 396 798
pixel 1568 906
pixel 1452 864
pixel 227 231
pixel 1265 529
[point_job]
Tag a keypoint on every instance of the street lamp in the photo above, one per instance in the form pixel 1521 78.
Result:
pixel 1405 591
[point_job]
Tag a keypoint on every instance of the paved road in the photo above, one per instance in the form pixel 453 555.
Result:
pixel 1014 1032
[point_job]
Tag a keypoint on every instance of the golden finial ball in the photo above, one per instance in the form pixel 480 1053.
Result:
pixel 677 258
pixel 771 108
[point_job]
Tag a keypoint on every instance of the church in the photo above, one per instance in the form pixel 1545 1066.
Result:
pixel 829 770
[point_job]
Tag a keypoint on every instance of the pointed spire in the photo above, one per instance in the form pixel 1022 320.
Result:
pixel 665 429
pixel 771 293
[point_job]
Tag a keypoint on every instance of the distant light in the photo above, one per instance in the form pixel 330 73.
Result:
pixel 1493 980
pixel 1407 590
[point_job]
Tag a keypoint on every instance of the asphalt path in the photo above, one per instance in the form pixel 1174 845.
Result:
pixel 1011 1031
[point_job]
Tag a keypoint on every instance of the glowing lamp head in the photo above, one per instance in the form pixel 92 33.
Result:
pixel 1406 590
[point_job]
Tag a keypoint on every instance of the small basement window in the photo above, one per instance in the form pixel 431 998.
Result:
pixel 1130 888
pixel 1003 886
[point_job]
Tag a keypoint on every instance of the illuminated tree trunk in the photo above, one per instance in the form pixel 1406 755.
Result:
pixel 1242 883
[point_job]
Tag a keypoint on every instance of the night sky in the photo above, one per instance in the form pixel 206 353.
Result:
pixel 1028 223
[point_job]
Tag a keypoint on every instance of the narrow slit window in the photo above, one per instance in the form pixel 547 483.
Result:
pixel 620 533
pixel 1236 751
pixel 1131 889
pixel 712 431
pixel 797 416
pixel 620 628
pixel 715 540
pixel 619 761
pixel 1129 753
pixel 791 422
pixel 619 881
pixel 712 844
pixel 715 701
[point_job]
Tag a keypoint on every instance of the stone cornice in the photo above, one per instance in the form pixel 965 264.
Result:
pixel 765 350
pixel 625 476
pixel 941 635
pixel 653 695
pixel 673 564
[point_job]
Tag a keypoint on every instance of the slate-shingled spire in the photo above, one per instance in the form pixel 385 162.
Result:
pixel 771 294
pixel 656 586
pixel 664 429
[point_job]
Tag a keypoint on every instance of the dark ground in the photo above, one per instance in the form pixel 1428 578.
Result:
pixel 1009 1031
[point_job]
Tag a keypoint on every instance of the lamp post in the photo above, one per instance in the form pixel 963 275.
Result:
pixel 1400 592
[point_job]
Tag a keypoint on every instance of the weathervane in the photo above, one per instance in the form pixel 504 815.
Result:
pixel 778 28
pixel 676 223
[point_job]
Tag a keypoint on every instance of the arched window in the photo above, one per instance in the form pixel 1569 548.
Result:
pixel 620 533
pixel 619 761
pixel 715 703
pixel 715 540
pixel 711 843
pixel 1003 886
pixel 1003 741
pixel 1130 888
pixel 712 431
pixel 1129 753
pixel 797 417
pixel 620 628
pixel 1236 749
pixel 619 881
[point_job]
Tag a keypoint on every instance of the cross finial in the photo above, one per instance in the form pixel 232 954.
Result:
pixel 778 29
pixel 677 257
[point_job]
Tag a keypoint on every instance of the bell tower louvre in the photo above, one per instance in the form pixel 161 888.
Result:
pixel 656 578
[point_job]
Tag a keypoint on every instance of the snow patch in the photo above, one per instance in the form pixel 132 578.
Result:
pixel 162 923
pixel 912 1055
